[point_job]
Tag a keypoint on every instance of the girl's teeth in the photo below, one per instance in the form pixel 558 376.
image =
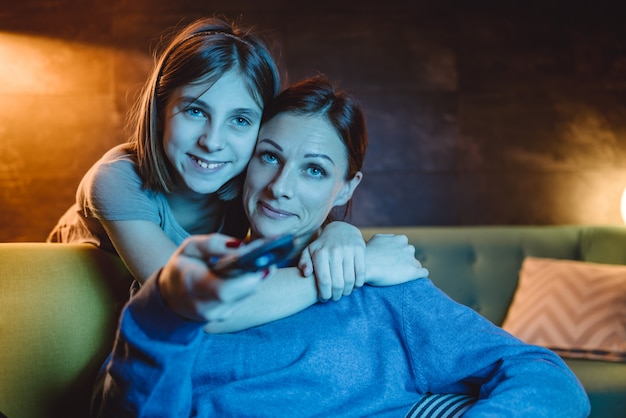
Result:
pixel 205 165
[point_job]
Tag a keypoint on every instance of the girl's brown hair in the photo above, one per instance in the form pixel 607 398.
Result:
pixel 201 52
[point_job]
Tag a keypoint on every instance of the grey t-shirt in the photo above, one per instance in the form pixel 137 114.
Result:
pixel 112 190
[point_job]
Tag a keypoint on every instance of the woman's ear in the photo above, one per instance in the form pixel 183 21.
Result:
pixel 347 190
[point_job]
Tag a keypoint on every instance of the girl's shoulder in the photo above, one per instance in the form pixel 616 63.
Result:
pixel 117 164
pixel 113 186
pixel 119 153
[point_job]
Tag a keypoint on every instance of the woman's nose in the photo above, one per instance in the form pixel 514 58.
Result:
pixel 211 139
pixel 282 185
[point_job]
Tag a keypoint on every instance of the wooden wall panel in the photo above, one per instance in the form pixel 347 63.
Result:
pixel 478 112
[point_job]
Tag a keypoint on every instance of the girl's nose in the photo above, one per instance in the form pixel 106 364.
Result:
pixel 211 139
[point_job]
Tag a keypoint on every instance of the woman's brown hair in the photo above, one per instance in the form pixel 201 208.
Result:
pixel 317 96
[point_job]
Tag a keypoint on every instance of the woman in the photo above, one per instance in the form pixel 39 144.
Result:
pixel 195 128
pixel 375 353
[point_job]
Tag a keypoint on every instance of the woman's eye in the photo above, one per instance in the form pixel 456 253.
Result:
pixel 268 157
pixel 316 171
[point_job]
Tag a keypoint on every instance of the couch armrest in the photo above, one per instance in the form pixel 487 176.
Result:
pixel 59 305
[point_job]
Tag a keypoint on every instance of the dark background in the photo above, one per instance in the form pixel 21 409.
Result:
pixel 479 113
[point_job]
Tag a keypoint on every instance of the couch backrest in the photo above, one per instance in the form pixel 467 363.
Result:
pixel 58 310
pixel 479 266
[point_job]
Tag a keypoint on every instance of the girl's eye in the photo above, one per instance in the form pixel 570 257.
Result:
pixel 242 121
pixel 194 111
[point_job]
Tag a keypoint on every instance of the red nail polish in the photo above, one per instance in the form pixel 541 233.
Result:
pixel 233 243
pixel 266 273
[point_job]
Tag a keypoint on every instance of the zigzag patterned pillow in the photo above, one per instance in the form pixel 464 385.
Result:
pixel 575 308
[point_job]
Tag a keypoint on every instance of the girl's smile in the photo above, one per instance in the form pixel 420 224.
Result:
pixel 210 131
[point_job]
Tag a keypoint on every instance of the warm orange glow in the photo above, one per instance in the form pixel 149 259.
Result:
pixel 623 205
pixel 57 115
pixel 36 65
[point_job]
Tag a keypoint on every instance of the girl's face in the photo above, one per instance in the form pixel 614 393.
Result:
pixel 209 132
pixel 296 176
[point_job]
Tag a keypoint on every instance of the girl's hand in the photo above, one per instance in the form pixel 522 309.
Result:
pixel 192 290
pixel 337 258
pixel 390 260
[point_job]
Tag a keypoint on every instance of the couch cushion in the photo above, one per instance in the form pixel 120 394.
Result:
pixel 479 266
pixel 605 383
pixel 603 244
pixel 577 309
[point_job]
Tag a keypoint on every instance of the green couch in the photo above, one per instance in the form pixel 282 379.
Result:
pixel 59 305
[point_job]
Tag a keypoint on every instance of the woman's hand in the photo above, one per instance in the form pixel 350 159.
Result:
pixel 337 258
pixel 390 260
pixel 190 289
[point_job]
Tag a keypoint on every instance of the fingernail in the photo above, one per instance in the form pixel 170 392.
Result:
pixel 235 243
pixel 266 273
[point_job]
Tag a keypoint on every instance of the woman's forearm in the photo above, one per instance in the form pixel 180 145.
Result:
pixel 389 260
pixel 283 294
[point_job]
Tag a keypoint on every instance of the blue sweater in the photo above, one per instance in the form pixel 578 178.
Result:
pixel 374 353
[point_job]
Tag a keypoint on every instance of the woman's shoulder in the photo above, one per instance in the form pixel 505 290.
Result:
pixel 401 296
pixel 413 296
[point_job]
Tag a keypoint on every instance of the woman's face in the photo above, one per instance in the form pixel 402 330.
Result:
pixel 296 176
pixel 209 132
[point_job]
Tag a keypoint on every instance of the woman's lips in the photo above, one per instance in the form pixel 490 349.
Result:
pixel 272 212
